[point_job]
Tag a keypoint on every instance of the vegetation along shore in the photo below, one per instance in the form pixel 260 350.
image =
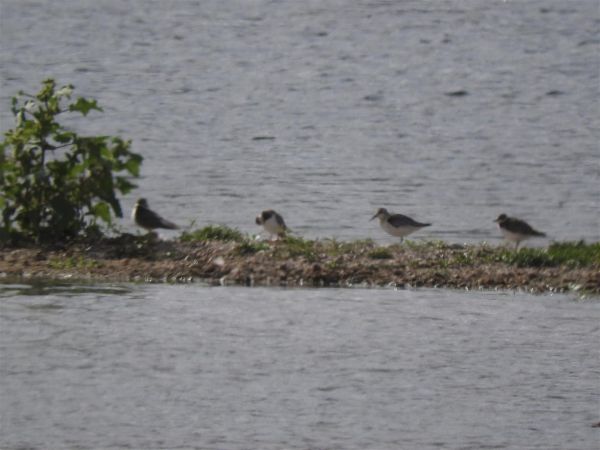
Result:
pixel 219 255
pixel 60 192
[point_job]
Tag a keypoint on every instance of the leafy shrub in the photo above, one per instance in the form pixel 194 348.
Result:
pixel 56 184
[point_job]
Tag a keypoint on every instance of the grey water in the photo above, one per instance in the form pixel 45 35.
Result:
pixel 174 367
pixel 449 111
pixel 360 101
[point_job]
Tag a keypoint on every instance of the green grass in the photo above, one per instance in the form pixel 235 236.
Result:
pixel 291 247
pixel 464 258
pixel 422 245
pixel 576 252
pixel 213 233
pixel 249 247
pixel 572 254
pixel 334 248
pixel 72 262
pixel 380 253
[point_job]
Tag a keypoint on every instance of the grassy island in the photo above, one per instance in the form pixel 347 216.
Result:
pixel 58 186
pixel 224 256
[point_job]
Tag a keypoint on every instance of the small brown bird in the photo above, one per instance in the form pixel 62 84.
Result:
pixel 272 222
pixel 144 217
pixel 516 230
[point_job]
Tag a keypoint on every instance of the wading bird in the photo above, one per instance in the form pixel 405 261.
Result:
pixel 144 217
pixel 397 225
pixel 516 230
pixel 272 222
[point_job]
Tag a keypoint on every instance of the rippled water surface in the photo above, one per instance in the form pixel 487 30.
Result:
pixel 354 98
pixel 449 111
pixel 151 367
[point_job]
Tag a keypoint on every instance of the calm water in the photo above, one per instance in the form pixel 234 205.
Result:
pixel 354 95
pixel 175 367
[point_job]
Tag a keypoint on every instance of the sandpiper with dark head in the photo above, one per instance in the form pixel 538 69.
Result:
pixel 272 222
pixel 516 230
pixel 397 225
pixel 144 217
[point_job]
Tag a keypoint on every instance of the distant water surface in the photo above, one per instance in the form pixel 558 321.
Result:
pixel 449 111
pixel 174 367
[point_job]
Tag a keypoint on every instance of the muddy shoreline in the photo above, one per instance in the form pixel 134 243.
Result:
pixel 129 258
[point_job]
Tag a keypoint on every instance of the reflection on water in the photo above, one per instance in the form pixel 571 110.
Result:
pixel 59 289
pixel 158 366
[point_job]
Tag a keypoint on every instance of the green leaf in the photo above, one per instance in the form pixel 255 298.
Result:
pixel 47 90
pixel 77 170
pixel 102 211
pixel 65 91
pixel 63 137
pixel 133 165
pixel 84 106
pixel 124 186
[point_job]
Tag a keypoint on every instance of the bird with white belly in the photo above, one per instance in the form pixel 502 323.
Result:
pixel 397 225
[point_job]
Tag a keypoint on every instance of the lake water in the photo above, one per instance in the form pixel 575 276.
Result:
pixel 178 367
pixel 354 95
pixel 353 100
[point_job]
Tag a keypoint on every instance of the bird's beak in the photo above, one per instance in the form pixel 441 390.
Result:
pixel 374 217
pixel 495 220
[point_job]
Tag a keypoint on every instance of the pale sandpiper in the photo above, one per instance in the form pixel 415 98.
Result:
pixel 144 217
pixel 397 225
pixel 516 230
